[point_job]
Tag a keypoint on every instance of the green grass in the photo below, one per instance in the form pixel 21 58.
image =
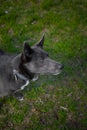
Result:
pixel 53 102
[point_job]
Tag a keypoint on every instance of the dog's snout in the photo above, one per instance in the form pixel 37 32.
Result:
pixel 61 66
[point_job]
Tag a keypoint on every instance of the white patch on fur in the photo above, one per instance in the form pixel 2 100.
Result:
pixel 22 87
pixel 16 77
pixel 21 99
pixel 35 78
pixel 22 77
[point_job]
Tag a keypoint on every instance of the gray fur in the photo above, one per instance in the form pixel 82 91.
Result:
pixel 28 65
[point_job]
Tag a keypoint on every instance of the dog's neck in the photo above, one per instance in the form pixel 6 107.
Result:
pixel 19 66
pixel 21 72
pixel 17 76
pixel 16 61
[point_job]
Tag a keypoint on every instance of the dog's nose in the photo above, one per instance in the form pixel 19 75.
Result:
pixel 61 67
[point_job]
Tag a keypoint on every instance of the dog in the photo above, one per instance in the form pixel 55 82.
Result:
pixel 16 71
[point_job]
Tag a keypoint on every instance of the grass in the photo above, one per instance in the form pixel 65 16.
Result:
pixel 53 102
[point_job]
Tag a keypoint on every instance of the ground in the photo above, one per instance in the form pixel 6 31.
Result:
pixel 52 102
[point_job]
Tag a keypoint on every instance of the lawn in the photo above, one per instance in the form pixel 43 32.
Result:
pixel 52 102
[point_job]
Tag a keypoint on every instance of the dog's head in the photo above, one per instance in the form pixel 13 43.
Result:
pixel 37 61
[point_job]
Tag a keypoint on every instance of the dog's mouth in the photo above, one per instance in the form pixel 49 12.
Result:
pixel 57 73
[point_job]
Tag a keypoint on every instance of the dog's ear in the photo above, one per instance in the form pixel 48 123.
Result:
pixel 41 42
pixel 27 49
pixel 27 52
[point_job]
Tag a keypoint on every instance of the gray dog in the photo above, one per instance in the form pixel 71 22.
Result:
pixel 17 70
